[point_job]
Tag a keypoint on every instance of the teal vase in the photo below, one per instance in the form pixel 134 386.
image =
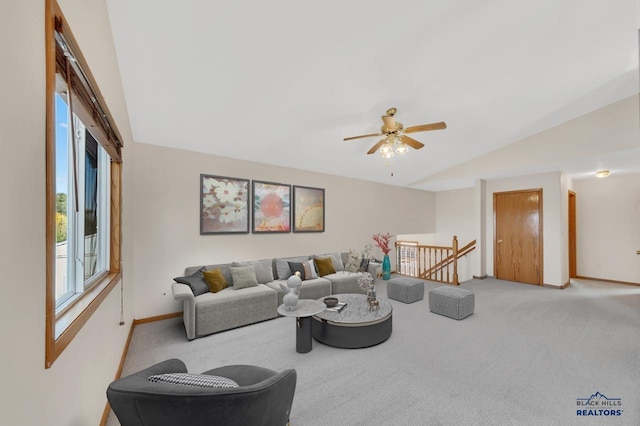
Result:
pixel 386 267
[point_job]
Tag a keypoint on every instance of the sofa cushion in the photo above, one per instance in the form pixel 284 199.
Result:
pixel 196 282
pixel 264 269
pixel 244 276
pixel 324 266
pixel 282 266
pixel 215 280
pixel 194 380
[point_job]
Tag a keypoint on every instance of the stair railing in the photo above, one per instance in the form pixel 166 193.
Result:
pixel 433 263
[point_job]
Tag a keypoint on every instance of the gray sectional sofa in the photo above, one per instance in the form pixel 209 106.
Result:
pixel 249 299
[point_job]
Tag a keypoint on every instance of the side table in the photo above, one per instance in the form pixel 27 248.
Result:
pixel 305 309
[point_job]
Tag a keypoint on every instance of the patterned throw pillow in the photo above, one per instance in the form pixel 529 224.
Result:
pixel 194 380
pixel 310 269
pixel 215 280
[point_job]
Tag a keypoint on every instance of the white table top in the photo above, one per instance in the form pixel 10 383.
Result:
pixel 304 308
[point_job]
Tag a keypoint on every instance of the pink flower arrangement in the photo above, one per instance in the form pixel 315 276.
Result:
pixel 382 241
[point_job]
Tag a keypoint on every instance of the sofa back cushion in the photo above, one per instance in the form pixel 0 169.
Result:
pixel 282 265
pixel 336 259
pixel 224 268
pixel 263 268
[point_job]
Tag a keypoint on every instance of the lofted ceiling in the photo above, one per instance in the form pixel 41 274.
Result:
pixel 283 82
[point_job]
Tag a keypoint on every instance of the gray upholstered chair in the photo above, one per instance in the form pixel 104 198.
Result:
pixel 263 397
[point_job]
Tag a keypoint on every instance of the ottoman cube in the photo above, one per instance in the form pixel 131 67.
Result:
pixel 452 302
pixel 406 290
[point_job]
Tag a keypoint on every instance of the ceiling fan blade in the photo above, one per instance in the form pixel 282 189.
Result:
pixel 411 142
pixel 362 136
pixel 389 122
pixel 376 146
pixel 425 127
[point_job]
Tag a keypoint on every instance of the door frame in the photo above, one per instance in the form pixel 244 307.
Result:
pixel 540 233
pixel 572 233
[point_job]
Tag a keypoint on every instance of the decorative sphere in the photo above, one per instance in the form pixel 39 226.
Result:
pixel 272 205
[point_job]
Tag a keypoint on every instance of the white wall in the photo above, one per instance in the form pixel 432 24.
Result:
pixel 166 218
pixel 608 227
pixel 72 391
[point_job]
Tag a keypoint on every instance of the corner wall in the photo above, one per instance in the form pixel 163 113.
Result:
pixel 72 391
pixel 608 227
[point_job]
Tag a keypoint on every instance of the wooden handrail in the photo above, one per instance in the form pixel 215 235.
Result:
pixel 434 263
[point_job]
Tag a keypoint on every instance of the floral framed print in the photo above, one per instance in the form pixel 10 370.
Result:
pixel 224 205
pixel 308 209
pixel 271 207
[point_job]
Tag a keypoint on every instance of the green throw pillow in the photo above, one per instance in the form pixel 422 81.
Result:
pixel 215 280
pixel 243 276
pixel 324 266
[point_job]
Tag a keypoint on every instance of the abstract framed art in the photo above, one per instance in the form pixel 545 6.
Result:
pixel 308 209
pixel 224 205
pixel 271 212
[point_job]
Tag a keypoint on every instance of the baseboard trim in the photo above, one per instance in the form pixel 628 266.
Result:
pixel 157 318
pixel 607 281
pixel 558 287
pixel 123 357
pixel 481 277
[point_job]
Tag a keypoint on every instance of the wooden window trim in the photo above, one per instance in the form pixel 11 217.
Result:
pixel 71 321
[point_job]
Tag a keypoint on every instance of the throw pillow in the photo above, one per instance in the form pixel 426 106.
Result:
pixel 282 265
pixel 309 270
pixel 324 265
pixel 196 282
pixel 298 267
pixel 243 276
pixel 336 259
pixel 215 280
pixel 264 269
pixel 364 265
pixel 194 380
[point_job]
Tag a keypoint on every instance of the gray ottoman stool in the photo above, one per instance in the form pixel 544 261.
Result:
pixel 406 290
pixel 452 302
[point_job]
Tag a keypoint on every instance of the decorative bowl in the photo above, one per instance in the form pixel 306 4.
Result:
pixel 330 301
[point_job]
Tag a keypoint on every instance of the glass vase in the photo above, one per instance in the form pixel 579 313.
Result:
pixel 386 267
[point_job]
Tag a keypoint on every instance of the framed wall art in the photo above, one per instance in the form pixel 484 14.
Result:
pixel 271 210
pixel 224 205
pixel 308 209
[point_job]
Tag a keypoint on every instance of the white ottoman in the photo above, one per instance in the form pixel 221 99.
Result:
pixel 405 289
pixel 452 302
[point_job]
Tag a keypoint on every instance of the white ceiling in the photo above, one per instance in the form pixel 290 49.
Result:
pixel 283 82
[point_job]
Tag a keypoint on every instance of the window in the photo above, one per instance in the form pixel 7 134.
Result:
pixel 83 190
pixel 82 200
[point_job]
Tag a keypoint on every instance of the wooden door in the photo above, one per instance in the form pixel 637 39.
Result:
pixel 573 269
pixel 518 236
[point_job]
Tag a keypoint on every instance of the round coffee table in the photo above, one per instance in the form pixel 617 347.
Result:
pixel 355 326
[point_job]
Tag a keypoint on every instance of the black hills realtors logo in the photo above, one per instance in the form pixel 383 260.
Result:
pixel 599 405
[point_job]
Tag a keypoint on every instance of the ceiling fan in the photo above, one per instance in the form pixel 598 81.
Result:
pixel 395 135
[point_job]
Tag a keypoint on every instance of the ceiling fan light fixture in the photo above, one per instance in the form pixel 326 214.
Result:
pixel 402 149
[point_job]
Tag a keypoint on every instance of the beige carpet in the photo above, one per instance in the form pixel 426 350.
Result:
pixel 524 357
